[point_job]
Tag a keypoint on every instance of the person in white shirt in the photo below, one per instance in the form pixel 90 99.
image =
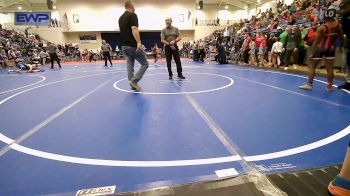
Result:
pixel 44 56
pixel 276 51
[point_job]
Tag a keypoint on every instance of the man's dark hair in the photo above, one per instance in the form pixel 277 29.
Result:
pixel 128 4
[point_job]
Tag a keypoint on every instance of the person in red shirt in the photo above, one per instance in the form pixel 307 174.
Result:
pixel 311 35
pixel 262 51
pixel 246 48
pixel 258 39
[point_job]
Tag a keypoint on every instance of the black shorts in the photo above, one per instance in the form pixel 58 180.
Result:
pixel 277 53
pixel 327 53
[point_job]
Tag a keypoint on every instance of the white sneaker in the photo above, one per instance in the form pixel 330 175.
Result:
pixel 306 87
pixel 134 84
pixel 286 68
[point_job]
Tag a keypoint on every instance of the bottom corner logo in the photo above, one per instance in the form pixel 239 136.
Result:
pixel 107 190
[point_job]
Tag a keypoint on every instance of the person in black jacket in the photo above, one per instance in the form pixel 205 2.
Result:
pixel 345 8
pixel 221 53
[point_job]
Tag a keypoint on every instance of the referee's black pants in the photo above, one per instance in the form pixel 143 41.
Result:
pixel 54 57
pixel 169 53
pixel 106 56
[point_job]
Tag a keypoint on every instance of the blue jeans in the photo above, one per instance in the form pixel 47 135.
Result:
pixel 131 54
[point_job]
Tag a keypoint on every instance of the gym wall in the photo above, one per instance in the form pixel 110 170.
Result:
pixel 103 15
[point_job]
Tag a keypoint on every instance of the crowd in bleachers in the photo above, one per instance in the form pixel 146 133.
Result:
pixel 18 48
pixel 250 41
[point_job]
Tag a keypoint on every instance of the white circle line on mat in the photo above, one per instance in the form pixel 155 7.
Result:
pixel 43 78
pixel 231 82
pixel 172 163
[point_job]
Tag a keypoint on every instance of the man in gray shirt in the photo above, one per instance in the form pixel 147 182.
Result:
pixel 53 55
pixel 106 48
pixel 169 37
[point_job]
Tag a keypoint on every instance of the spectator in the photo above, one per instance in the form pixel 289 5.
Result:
pixel 221 53
pixel 261 52
pixel 92 56
pixel 201 49
pixel 345 5
pixel 252 53
pixel 272 39
pixel 276 50
pixel 291 46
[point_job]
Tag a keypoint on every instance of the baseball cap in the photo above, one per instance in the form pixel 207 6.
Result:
pixel 330 14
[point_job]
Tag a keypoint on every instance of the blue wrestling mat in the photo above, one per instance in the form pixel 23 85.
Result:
pixel 82 127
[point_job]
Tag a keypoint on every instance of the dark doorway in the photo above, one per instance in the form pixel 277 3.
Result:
pixel 147 38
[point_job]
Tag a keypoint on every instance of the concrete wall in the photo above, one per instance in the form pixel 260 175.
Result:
pixel 212 12
pixel 54 35
pixel 73 37
pixel 203 31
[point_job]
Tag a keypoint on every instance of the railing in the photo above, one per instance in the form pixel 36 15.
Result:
pixel 14 27
pixel 214 22
pixel 21 29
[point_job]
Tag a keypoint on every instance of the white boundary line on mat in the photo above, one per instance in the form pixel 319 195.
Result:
pixel 172 163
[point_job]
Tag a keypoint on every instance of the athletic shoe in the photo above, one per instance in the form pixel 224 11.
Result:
pixel 346 86
pixel 133 88
pixel 170 77
pixel 181 77
pixel 134 84
pixel 329 87
pixel 306 87
pixel 338 187
pixel 286 68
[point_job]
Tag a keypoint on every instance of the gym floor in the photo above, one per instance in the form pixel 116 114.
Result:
pixel 81 127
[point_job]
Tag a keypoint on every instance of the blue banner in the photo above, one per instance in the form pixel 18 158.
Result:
pixel 33 18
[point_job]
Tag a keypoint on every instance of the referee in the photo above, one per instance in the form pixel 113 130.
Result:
pixel 106 49
pixel 53 55
pixel 169 37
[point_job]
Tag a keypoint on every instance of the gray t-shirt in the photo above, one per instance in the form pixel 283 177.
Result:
pixel 52 49
pixel 170 34
pixel 105 47
pixel 201 46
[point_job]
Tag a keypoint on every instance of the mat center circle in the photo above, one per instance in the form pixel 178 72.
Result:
pixel 159 84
